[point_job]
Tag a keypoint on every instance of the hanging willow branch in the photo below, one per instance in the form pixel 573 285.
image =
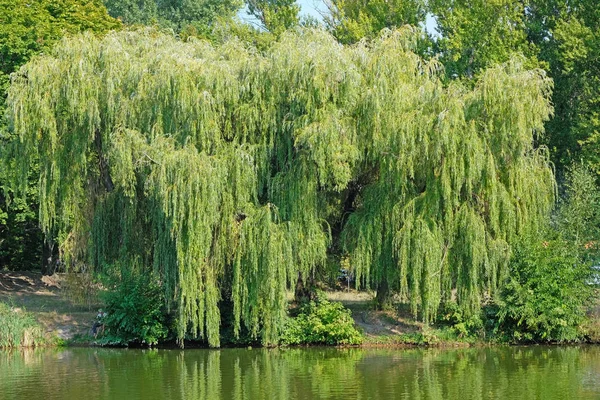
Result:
pixel 214 166
pixel 458 177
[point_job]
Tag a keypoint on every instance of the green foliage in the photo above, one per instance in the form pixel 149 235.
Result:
pixel 550 286
pixel 458 177
pixel 321 322
pixel 562 37
pixel 478 34
pixel 546 294
pixel 135 310
pixel 19 328
pixel 352 20
pixel 569 39
pixel 460 325
pixel 228 30
pixel 578 214
pixel 28 28
pixel 188 17
pixel 220 167
pixel 20 236
pixel 276 16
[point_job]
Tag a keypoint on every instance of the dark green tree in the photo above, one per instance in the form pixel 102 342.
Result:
pixel 352 20
pixel 568 36
pixel 27 29
pixel 275 16
pixel 481 33
pixel 189 17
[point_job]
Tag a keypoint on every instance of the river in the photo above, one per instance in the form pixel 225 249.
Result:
pixel 536 372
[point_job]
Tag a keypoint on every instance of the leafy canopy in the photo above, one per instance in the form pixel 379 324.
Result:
pixel 275 15
pixel 29 27
pixel 481 33
pixel 216 165
pixel 192 16
pixel 352 20
pixel 568 36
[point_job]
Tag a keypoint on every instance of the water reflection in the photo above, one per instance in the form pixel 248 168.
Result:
pixel 490 373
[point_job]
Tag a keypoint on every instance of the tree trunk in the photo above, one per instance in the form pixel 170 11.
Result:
pixel 48 257
pixel 305 291
pixel 383 299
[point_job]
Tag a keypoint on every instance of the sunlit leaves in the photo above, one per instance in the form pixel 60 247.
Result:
pixel 221 161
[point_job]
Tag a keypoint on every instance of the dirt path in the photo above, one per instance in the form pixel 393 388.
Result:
pixel 385 327
pixel 45 298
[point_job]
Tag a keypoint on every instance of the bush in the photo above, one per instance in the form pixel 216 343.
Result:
pixel 19 328
pixel 550 285
pixel 547 293
pixel 460 325
pixel 135 311
pixel 321 322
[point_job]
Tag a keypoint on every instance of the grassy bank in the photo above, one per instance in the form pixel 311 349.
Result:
pixel 56 312
pixel 19 328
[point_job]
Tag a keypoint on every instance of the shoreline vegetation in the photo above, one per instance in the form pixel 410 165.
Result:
pixel 43 311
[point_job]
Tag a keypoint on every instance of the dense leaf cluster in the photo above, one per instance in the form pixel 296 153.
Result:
pixel 321 322
pixel 134 310
pixel 28 28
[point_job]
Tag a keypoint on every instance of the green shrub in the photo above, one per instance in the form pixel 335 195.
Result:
pixel 460 325
pixel 321 322
pixel 546 295
pixel 19 328
pixel 550 285
pixel 135 311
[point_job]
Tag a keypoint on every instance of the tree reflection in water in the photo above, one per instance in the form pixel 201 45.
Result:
pixel 315 373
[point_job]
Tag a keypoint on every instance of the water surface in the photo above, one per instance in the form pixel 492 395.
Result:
pixel 488 373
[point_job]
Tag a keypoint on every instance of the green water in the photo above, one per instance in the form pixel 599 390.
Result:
pixel 489 373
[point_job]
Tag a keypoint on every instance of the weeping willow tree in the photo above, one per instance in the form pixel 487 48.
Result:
pixel 215 167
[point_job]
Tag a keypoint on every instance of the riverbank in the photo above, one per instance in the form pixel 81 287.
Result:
pixel 67 318
pixel 61 317
pixel 64 318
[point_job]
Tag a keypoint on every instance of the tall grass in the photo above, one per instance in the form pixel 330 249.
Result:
pixel 19 328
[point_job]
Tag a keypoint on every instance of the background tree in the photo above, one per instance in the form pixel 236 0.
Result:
pixel 275 15
pixel 29 28
pixel 569 41
pixel 190 17
pixel 26 29
pixel 352 20
pixel 480 33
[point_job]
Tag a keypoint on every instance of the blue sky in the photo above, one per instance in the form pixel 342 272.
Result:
pixel 312 7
